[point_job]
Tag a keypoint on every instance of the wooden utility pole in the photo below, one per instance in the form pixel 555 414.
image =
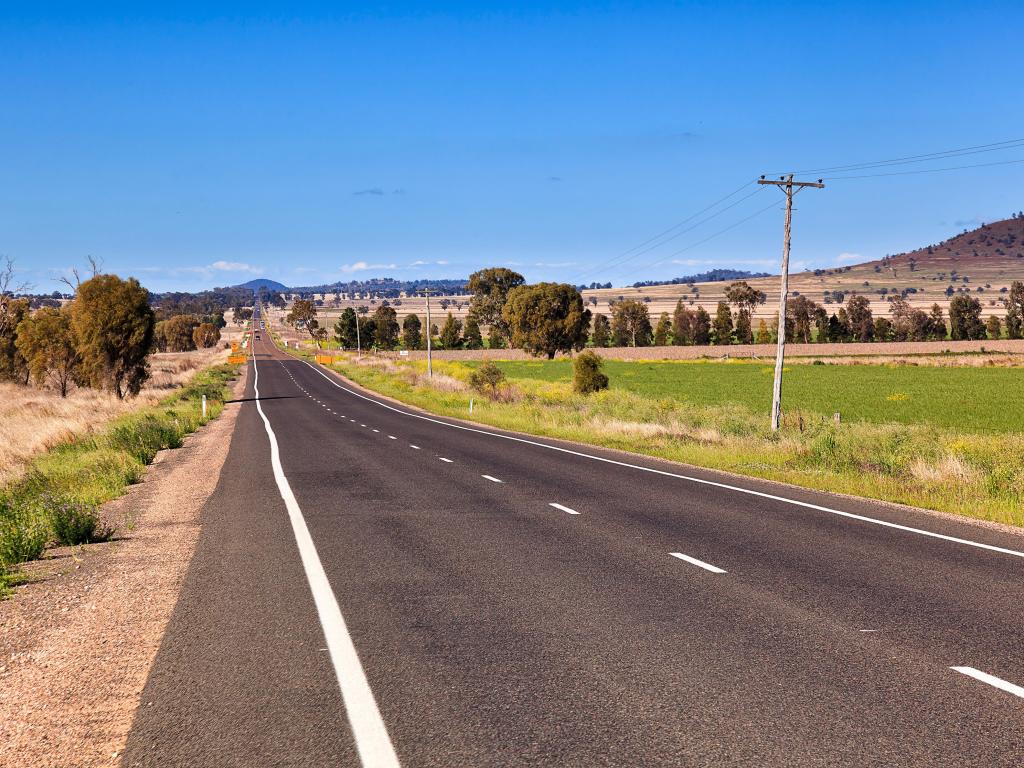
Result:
pixel 430 363
pixel 789 188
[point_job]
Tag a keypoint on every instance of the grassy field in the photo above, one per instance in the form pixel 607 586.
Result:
pixel 54 499
pixel 916 448
pixel 975 399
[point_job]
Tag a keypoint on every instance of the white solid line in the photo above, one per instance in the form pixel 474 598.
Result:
pixel 698 563
pixel 689 478
pixel 563 508
pixel 416 447
pixel 447 461
pixel 492 479
pixel 996 682
pixel 368 729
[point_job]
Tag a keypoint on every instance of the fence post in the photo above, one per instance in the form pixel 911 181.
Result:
pixel 204 406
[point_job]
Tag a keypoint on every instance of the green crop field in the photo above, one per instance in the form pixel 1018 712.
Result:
pixel 972 399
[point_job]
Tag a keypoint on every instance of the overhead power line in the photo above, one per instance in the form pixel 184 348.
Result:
pixel 942 155
pixel 926 170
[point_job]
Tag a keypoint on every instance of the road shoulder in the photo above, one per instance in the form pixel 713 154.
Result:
pixel 77 644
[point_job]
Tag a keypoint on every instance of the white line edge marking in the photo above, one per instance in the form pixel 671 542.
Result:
pixel 446 461
pixel 392 437
pixel 995 682
pixel 665 473
pixel 563 508
pixel 368 729
pixel 491 478
pixel 698 563
pixel 414 447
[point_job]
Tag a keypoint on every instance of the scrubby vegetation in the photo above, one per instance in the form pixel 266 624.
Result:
pixel 55 500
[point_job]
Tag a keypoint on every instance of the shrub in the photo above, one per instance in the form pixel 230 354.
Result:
pixel 587 375
pixel 23 533
pixel 75 522
pixel 486 379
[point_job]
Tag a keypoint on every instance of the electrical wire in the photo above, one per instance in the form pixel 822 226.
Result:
pixel 924 170
pixel 943 155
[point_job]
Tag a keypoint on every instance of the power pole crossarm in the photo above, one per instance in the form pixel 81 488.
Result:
pixel 789 188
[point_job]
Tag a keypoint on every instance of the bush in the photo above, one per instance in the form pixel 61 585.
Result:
pixel 75 523
pixel 587 375
pixel 486 379
pixel 23 533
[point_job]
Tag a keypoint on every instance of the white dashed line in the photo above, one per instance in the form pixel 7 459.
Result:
pixel 995 682
pixel 377 430
pixel 492 479
pixel 446 461
pixel 564 508
pixel 415 447
pixel 392 437
pixel 698 563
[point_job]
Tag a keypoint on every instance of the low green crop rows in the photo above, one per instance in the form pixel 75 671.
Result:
pixel 54 502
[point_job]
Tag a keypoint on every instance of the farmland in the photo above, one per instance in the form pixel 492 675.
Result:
pixel 968 398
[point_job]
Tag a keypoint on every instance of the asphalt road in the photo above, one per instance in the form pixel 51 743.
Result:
pixel 390 588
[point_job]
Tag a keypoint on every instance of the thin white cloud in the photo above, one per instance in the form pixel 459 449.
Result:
pixel 236 266
pixel 850 258
pixel 554 264
pixel 362 266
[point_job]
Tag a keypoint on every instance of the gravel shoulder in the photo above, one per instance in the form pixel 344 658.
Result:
pixel 78 641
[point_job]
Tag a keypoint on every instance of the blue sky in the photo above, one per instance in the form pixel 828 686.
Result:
pixel 203 145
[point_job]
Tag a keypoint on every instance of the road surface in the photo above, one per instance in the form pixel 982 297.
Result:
pixel 375 586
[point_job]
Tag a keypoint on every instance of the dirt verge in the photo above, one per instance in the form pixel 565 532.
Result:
pixel 78 641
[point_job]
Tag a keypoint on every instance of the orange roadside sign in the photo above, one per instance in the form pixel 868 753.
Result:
pixel 234 346
pixel 235 359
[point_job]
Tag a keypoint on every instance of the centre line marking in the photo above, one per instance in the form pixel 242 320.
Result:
pixel 447 461
pixel 492 479
pixel 392 437
pixel 698 563
pixel 666 473
pixel 563 508
pixel 995 682
pixel 368 730
pixel 415 447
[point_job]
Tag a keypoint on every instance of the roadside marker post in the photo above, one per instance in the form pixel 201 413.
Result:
pixel 204 406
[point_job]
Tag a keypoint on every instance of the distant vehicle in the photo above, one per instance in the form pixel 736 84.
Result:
pixel 257 337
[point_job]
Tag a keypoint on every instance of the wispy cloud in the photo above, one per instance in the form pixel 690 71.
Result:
pixel 371 191
pixel 362 266
pixel 850 258
pixel 554 263
pixel 206 270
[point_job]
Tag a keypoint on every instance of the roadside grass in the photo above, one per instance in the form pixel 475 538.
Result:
pixel 56 497
pixel 933 464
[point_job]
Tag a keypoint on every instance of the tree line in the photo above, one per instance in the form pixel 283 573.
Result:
pixel 101 338
pixel 548 318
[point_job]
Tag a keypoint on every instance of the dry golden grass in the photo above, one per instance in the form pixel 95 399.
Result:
pixel 32 421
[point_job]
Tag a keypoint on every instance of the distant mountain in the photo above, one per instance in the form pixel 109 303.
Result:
pixel 262 282
pixel 711 276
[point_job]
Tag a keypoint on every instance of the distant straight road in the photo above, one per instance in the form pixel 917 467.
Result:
pixel 389 588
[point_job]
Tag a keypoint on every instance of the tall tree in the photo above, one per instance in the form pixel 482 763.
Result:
pixel 859 319
pixel 994 327
pixel 385 327
pixel 471 335
pixel 965 318
pixel 13 365
pixel 345 328
pixel 800 310
pixel 701 327
pixel 47 343
pixel 205 335
pixel 1015 310
pixel 113 326
pixel 937 324
pixel 682 324
pixel 602 335
pixel 722 326
pixel 744 297
pixel 451 332
pixel 631 323
pixel 412 332
pixel 178 333
pixel 547 318
pixel 303 312
pixel 490 288
pixel 662 330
